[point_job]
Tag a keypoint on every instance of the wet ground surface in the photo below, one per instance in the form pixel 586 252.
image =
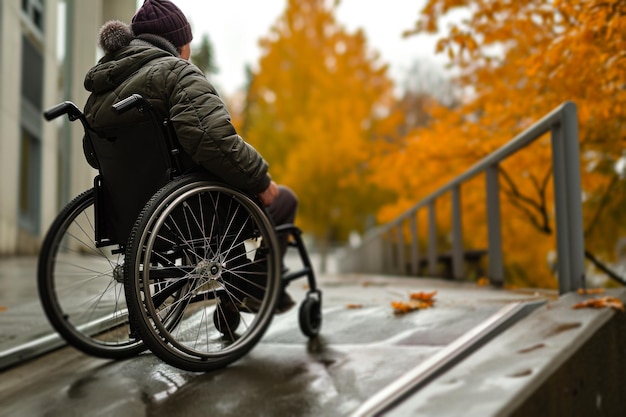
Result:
pixel 360 352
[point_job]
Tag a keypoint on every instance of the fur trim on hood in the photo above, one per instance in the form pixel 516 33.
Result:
pixel 114 35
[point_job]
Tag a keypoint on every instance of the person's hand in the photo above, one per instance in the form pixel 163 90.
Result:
pixel 270 193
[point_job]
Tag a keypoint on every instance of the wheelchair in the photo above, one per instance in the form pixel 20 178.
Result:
pixel 157 256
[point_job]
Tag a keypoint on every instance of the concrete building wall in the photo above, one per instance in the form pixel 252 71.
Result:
pixel 49 143
pixel 57 170
pixel 9 123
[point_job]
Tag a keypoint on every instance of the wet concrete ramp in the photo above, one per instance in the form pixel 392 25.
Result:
pixel 477 352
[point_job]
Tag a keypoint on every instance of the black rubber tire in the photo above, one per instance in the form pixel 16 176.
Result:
pixel 195 231
pixel 77 287
pixel 310 317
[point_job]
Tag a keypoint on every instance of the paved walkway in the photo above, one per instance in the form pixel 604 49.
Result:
pixel 24 329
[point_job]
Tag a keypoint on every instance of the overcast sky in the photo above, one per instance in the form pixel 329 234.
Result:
pixel 235 26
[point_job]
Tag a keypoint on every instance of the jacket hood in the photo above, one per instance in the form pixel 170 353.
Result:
pixel 113 70
pixel 124 55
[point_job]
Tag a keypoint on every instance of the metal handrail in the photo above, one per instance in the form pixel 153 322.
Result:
pixel 562 122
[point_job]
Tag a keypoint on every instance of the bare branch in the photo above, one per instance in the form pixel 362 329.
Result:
pixel 602 267
pixel 603 203
pixel 527 205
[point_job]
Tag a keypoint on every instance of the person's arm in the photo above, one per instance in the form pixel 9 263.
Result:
pixel 205 132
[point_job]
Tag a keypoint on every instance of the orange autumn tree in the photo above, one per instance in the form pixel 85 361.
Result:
pixel 518 60
pixel 315 106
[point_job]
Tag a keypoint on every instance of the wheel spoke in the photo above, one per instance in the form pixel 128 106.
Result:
pixel 78 285
pixel 220 298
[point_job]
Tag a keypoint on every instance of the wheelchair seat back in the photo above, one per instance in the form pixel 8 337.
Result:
pixel 134 162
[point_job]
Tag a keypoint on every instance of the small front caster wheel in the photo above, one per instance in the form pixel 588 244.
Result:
pixel 310 316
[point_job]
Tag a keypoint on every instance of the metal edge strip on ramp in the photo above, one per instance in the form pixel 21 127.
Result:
pixel 30 350
pixel 448 357
pixel 47 343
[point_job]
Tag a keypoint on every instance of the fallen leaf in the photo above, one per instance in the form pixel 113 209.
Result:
pixel 422 296
pixel 604 302
pixel 482 282
pixel 3 308
pixel 403 307
pixel 590 291
pixel 417 301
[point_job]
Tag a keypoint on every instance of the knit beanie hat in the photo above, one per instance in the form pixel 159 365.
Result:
pixel 163 18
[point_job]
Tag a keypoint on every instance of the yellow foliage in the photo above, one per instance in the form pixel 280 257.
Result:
pixel 315 107
pixel 520 60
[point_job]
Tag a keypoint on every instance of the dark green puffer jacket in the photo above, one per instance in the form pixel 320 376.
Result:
pixel 150 66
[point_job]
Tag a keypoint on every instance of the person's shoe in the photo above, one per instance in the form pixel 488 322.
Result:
pixel 285 303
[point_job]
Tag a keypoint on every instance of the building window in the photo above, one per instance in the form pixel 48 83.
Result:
pixel 30 141
pixel 34 11
pixel 30 159
pixel 32 74
pixel 1 6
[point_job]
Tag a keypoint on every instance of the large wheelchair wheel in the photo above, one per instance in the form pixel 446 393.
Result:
pixel 80 285
pixel 202 274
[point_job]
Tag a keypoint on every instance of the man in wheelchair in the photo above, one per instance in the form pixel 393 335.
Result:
pixel 151 58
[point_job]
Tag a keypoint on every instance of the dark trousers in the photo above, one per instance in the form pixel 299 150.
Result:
pixel 283 211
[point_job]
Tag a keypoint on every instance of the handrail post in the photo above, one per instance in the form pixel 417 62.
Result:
pixel 495 268
pixel 415 250
pixel 432 239
pixel 401 266
pixel 568 201
pixel 457 234
pixel 388 244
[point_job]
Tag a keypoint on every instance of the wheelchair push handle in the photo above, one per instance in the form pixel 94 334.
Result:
pixel 67 107
pixel 131 102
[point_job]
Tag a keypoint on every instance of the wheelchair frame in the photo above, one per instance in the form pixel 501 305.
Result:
pixel 196 249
